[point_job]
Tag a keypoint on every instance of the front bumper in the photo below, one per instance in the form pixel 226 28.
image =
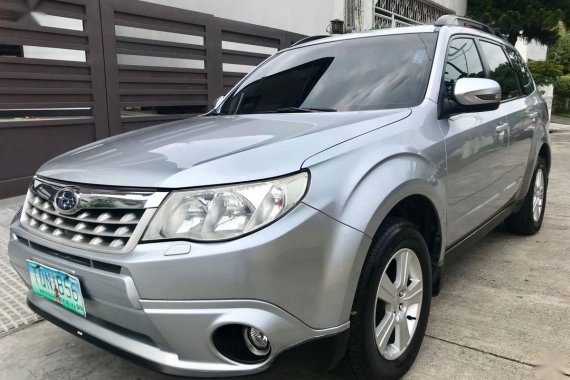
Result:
pixel 294 280
pixel 328 344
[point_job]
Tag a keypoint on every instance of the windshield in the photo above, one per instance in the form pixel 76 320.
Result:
pixel 368 73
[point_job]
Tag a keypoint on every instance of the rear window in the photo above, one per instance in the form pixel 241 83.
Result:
pixel 348 75
pixel 522 71
pixel 501 70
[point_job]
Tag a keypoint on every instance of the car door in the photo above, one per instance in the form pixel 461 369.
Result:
pixel 476 147
pixel 521 115
pixel 525 112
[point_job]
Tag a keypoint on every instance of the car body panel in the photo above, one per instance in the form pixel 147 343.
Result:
pixel 477 167
pixel 305 246
pixel 189 325
pixel 540 138
pixel 484 165
pixel 359 182
pixel 210 150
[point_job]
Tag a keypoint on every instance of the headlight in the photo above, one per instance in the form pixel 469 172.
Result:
pixel 226 212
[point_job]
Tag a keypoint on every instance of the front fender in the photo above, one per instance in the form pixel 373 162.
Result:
pixel 360 192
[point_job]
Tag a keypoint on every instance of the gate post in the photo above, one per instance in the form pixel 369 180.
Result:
pixel 95 58
pixel 111 67
pixel 214 69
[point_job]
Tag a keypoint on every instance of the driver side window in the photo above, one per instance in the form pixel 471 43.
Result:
pixel 463 61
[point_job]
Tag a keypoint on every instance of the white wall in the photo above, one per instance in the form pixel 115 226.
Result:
pixel 459 6
pixel 308 17
pixel 54 53
pixel 531 50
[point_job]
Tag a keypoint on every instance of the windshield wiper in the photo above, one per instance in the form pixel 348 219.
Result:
pixel 300 109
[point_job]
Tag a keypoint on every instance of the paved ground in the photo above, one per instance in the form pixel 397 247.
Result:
pixel 560 120
pixel 14 314
pixel 504 312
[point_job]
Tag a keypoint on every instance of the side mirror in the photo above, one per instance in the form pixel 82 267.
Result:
pixel 218 101
pixel 478 92
pixel 473 95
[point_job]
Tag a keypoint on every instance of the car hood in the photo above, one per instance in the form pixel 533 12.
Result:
pixel 209 150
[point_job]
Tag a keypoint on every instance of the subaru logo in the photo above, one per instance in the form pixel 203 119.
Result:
pixel 66 200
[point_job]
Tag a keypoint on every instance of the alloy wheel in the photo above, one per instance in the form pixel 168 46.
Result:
pixel 538 196
pixel 398 304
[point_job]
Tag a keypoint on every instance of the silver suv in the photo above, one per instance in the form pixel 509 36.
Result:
pixel 310 212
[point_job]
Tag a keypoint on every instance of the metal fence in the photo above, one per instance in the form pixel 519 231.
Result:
pixel 397 13
pixel 75 71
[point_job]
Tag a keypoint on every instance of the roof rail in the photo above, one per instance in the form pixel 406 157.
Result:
pixel 448 20
pixel 310 38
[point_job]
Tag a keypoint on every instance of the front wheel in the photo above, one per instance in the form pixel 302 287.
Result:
pixel 392 304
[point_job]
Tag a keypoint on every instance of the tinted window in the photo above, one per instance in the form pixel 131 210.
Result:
pixel 463 61
pixel 522 71
pixel 501 70
pixel 354 74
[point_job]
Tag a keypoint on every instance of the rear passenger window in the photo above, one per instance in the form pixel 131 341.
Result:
pixel 463 61
pixel 522 71
pixel 501 70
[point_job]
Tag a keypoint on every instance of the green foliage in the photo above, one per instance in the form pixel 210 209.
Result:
pixel 559 53
pixel 562 86
pixel 561 101
pixel 534 19
pixel 545 72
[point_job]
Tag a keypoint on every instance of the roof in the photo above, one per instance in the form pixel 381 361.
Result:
pixel 461 24
pixel 370 33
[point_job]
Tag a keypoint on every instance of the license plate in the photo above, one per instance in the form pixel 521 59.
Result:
pixel 57 286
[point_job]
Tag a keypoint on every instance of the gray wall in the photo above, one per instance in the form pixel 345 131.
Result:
pixel 459 6
pixel 308 17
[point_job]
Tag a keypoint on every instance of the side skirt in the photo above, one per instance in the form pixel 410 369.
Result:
pixel 481 231
pixel 470 240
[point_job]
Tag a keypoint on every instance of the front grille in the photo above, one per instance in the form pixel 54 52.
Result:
pixel 103 228
pixel 104 221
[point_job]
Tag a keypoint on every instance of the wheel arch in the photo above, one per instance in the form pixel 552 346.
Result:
pixel 540 148
pixel 545 153
pixel 421 202
pixel 420 211
pixel 362 189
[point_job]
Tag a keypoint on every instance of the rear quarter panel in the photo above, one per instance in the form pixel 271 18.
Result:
pixel 541 136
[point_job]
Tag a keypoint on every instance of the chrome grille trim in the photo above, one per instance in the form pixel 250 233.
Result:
pixel 106 220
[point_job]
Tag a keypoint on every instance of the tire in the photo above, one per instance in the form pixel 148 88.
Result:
pixel 370 313
pixel 527 221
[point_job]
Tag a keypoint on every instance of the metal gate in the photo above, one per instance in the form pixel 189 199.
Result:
pixel 396 13
pixel 75 71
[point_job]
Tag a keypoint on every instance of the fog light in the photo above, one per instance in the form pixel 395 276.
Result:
pixel 14 237
pixel 256 341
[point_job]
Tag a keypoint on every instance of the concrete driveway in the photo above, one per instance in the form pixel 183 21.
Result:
pixel 504 313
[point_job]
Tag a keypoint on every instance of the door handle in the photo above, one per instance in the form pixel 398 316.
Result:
pixel 501 128
pixel 533 115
